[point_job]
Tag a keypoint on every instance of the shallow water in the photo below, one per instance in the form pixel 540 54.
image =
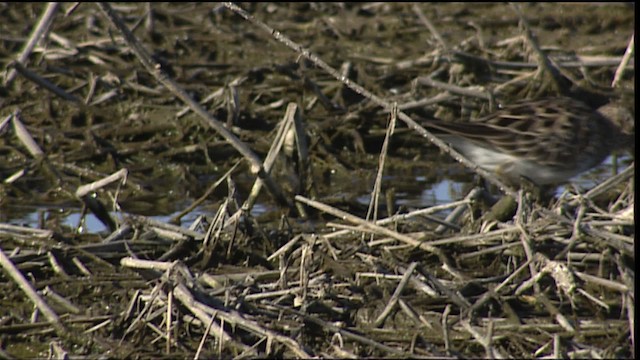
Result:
pixel 439 193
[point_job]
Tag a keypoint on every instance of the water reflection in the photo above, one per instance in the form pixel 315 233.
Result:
pixel 411 192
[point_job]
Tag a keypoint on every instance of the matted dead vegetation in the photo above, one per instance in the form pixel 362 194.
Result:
pixel 136 110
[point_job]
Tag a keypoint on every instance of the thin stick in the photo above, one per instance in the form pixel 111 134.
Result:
pixel 30 75
pixel 426 80
pixel 543 60
pixel 606 185
pixel 431 27
pixel 625 61
pixel 375 193
pixel 169 320
pixel 25 137
pixel 204 196
pixel 28 289
pixel 204 337
pixel 38 33
pixel 272 155
pixel 396 295
pixel 118 175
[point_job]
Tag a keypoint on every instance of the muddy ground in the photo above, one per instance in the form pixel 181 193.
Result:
pixel 290 277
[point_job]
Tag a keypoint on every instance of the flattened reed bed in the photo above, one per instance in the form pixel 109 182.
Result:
pixel 93 117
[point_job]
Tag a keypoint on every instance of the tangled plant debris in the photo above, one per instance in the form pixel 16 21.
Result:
pixel 254 132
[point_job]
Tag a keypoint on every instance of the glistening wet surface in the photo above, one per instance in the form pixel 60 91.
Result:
pixel 415 193
pixel 553 280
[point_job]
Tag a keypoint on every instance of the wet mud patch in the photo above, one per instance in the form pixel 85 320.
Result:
pixel 131 224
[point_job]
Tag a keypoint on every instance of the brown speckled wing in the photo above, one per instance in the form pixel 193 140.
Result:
pixel 550 131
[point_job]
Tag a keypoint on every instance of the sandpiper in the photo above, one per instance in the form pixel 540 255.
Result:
pixel 546 141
